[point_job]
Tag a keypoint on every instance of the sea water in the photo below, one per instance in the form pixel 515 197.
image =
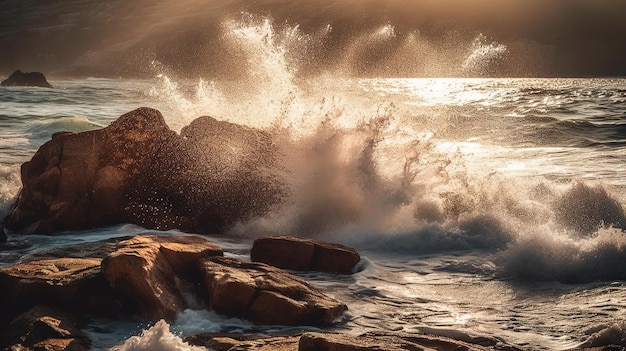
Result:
pixel 484 206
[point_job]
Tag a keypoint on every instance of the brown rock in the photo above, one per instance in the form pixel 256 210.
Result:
pixel 43 328
pixel 239 342
pixel 340 342
pixel 69 283
pixel 139 171
pixel 389 342
pixel 265 294
pixel 144 271
pixel 304 254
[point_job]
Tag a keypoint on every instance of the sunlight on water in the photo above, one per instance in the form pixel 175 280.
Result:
pixel 480 206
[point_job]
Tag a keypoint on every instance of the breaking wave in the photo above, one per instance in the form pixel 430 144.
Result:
pixel 364 171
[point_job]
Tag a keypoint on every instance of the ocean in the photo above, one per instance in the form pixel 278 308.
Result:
pixel 480 206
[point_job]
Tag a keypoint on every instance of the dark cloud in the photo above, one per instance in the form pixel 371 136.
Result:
pixel 431 37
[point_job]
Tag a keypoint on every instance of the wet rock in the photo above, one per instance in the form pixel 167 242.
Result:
pixel 264 294
pixel 241 342
pixel 139 171
pixel 19 78
pixel 304 254
pixel 44 328
pixel 341 342
pixel 73 284
pixel 145 272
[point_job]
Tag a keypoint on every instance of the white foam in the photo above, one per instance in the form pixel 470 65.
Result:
pixel 158 337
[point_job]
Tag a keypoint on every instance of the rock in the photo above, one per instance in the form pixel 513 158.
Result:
pixel 139 171
pixel 145 272
pixel 3 235
pixel 304 254
pixel 43 328
pixel 30 79
pixel 340 342
pixel 390 342
pixel 73 284
pixel 264 294
pixel 241 342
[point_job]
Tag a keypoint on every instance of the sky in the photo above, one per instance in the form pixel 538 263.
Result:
pixel 430 38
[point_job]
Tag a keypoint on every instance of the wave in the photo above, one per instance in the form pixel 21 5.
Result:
pixel 359 170
pixel 44 128
pixel 10 184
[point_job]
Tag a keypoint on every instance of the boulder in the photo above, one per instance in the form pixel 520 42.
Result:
pixel 145 272
pixel 73 284
pixel 44 328
pixel 264 294
pixel 139 171
pixel 30 79
pixel 304 254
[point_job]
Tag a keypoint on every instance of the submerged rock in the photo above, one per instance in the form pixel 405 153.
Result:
pixel 304 254
pixel 264 294
pixel 19 78
pixel 139 171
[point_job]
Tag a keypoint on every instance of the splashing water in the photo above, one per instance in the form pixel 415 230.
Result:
pixel 456 192
pixel 158 337
pixel 483 55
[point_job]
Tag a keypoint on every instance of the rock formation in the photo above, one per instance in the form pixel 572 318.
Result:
pixel 144 271
pixel 139 171
pixel 44 328
pixel 72 284
pixel 265 294
pixel 29 79
pixel 304 254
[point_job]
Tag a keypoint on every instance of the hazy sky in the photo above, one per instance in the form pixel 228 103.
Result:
pixel 424 37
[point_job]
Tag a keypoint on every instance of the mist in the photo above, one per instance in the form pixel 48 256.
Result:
pixel 391 38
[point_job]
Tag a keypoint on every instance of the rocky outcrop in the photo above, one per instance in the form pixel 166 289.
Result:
pixel 44 328
pixel 28 79
pixel 304 254
pixel 139 171
pixel 264 294
pixel 145 272
pixel 73 284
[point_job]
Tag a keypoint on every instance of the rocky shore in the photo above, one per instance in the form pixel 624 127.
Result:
pixel 207 177
pixel 46 302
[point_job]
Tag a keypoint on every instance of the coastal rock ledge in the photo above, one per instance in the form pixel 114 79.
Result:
pixel 139 171
pixel 46 300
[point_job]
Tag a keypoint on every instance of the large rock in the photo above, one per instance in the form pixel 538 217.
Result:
pixel 304 254
pixel 139 171
pixel 145 272
pixel 19 78
pixel 68 283
pixel 44 328
pixel 265 294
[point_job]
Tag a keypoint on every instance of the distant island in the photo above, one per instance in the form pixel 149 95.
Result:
pixel 28 79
